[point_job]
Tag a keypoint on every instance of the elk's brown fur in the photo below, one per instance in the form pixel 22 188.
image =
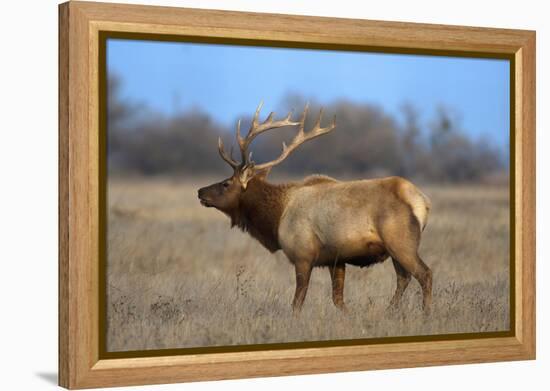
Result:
pixel 321 221
pixel 259 212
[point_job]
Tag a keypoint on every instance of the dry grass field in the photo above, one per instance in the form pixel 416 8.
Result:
pixel 178 276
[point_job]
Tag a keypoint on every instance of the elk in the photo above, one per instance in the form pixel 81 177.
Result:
pixel 320 221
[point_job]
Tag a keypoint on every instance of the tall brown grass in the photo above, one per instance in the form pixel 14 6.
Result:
pixel 178 276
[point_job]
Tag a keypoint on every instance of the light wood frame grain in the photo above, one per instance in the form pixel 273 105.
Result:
pixel 80 364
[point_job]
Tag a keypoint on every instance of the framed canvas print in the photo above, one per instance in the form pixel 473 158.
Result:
pixel 249 195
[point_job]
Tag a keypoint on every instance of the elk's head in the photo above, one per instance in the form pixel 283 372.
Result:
pixel 225 195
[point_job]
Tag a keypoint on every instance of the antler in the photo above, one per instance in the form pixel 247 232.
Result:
pixel 257 128
pixel 300 138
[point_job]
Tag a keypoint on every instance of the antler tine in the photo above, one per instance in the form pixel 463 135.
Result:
pixel 289 115
pixel 318 122
pixel 241 141
pixel 256 115
pixel 318 130
pixel 228 159
pixel 300 138
pixel 269 118
pixel 302 122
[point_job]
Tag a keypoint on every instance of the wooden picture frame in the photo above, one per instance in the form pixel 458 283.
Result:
pixel 81 364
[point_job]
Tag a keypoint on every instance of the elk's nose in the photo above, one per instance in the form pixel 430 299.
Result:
pixel 200 192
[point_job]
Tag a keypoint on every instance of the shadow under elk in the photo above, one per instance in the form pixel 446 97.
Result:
pixel 321 221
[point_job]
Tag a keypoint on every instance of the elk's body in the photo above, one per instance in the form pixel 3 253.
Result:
pixel 348 220
pixel 324 222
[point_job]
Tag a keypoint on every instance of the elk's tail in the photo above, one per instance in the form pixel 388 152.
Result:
pixel 419 203
pixel 422 212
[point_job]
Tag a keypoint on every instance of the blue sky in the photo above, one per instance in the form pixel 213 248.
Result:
pixel 229 81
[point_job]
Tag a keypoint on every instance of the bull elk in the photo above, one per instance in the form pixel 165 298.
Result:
pixel 321 221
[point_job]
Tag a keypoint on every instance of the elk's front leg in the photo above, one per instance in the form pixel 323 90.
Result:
pixel 337 276
pixel 303 273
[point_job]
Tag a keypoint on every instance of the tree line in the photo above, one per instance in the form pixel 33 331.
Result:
pixel 366 142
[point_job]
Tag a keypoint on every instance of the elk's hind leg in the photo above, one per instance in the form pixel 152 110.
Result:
pixel 403 279
pixel 337 276
pixel 303 273
pixel 402 239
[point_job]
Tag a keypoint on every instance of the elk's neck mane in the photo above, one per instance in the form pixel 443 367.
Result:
pixel 259 212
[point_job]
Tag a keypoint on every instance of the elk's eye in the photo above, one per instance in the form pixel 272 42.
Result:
pixel 225 185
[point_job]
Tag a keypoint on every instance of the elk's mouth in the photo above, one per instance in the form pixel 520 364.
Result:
pixel 205 202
